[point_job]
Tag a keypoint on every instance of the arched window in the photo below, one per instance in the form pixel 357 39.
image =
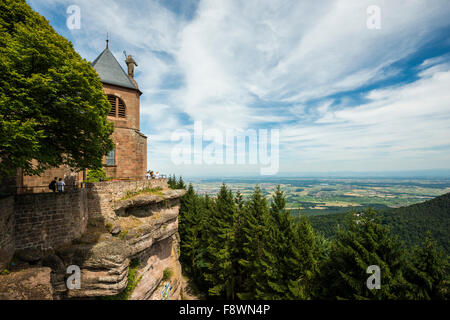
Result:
pixel 118 108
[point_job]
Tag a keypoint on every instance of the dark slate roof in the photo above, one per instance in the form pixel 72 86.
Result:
pixel 110 70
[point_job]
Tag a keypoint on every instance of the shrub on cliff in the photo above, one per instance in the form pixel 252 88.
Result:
pixel 52 105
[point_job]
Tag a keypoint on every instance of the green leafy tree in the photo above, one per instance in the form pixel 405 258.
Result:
pixel 52 106
pixel 96 175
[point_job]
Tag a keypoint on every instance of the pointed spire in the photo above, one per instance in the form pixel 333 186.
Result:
pixel 107 40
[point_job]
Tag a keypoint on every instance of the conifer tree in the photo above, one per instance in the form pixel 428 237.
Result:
pixel 254 229
pixel 237 249
pixel 171 181
pixel 303 264
pixel 362 243
pixel 192 228
pixel 274 261
pixel 204 259
pixel 220 273
pixel 188 219
pixel 180 184
pixel 427 271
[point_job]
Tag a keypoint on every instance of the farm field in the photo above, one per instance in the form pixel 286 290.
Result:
pixel 326 196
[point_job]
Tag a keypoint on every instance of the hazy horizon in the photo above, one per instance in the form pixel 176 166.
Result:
pixel 417 174
pixel 350 86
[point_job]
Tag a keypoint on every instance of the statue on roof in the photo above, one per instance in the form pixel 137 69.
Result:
pixel 130 63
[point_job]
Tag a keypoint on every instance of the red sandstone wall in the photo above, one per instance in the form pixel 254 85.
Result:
pixel 118 189
pixel 7 244
pixel 49 220
pixel 131 99
pixel 131 146
pixel 131 154
pixel 39 184
pixel 101 195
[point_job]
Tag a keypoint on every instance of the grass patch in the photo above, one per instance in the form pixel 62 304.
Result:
pixel 133 281
pixel 109 227
pixel 5 272
pixel 167 274
pixel 123 234
pixel 150 191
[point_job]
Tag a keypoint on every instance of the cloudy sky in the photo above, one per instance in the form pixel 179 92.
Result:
pixel 344 97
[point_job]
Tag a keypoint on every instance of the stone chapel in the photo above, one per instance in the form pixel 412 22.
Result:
pixel 128 159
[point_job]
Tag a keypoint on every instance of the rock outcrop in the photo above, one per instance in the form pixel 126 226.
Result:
pixel 27 284
pixel 132 253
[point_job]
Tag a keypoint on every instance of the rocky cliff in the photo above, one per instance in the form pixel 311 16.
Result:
pixel 129 250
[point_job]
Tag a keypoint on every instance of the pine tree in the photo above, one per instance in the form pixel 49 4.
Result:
pixel 180 184
pixel 278 250
pixel 189 223
pixel 254 229
pixel 303 265
pixel 427 271
pixel 362 243
pixel 194 222
pixel 237 252
pixel 203 259
pixel 171 181
pixel 220 273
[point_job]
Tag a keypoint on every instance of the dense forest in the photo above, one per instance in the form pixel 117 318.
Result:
pixel 409 223
pixel 236 248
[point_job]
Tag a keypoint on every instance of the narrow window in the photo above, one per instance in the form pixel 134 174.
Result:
pixel 111 158
pixel 122 111
pixel 113 102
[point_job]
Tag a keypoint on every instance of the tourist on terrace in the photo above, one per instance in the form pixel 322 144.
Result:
pixel 60 185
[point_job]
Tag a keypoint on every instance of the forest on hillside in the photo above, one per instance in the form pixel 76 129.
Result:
pixel 409 223
pixel 233 248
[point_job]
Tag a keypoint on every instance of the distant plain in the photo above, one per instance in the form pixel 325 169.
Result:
pixel 318 196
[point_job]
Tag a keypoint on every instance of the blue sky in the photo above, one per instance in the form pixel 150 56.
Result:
pixel 343 97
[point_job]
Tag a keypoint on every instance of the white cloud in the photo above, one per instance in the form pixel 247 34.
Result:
pixel 404 124
pixel 291 56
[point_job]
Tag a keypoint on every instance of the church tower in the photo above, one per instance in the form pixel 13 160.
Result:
pixel 129 158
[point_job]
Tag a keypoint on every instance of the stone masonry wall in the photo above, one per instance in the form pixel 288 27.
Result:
pixel 39 184
pixel 132 103
pixel 49 220
pixel 130 154
pixel 6 231
pixel 101 196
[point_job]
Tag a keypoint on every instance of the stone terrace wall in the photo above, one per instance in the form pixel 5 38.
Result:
pixel 6 231
pixel 49 220
pixel 102 195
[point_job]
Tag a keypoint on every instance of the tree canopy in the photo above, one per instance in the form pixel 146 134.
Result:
pixel 249 248
pixel 52 106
